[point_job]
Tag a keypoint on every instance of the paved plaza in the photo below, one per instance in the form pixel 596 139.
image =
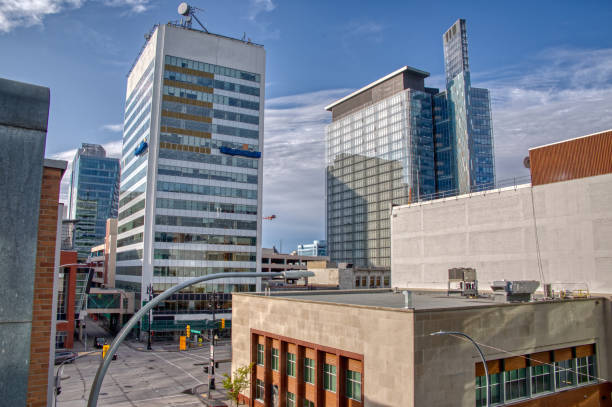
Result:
pixel 162 377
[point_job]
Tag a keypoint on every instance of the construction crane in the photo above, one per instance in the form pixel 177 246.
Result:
pixel 269 217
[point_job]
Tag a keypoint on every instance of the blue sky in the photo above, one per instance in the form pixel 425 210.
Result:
pixel 548 65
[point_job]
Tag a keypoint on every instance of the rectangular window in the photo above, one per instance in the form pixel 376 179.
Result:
pixel 377 281
pixel 308 403
pixel 541 379
pixel 387 281
pixel 259 390
pixel 290 399
pixel 353 385
pixel 260 354
pixel 329 377
pixel 291 364
pixel 275 359
pixel 564 374
pixel 516 383
pixel 309 370
pixel 364 281
pixel 357 280
pixel 586 369
pixel 481 389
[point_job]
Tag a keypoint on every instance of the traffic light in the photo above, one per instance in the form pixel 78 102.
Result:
pixel 188 329
pixel 222 323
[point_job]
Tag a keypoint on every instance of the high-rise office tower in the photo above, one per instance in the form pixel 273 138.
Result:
pixel 191 170
pixel 396 141
pixel 463 131
pixel 94 196
pixel 379 152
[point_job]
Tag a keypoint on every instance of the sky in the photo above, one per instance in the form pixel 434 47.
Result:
pixel 548 65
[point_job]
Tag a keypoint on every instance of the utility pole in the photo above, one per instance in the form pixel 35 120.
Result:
pixel 150 292
pixel 211 335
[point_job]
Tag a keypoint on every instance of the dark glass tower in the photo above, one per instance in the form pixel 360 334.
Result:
pixel 94 196
pixel 463 132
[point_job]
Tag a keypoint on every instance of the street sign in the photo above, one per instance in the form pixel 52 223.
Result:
pixel 193 331
pixel 183 343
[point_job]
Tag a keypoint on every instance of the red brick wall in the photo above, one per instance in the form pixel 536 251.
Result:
pixel 43 288
pixel 69 257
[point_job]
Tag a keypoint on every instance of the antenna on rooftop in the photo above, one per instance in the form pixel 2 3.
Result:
pixel 188 11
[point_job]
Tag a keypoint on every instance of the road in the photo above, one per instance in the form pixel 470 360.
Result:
pixel 162 377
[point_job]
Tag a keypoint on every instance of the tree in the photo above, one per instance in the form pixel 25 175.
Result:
pixel 238 383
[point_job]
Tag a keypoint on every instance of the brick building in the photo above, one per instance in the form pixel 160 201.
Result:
pixel 375 348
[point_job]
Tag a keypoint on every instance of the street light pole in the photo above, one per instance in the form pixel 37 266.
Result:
pixel 97 383
pixel 484 362
pixel 150 292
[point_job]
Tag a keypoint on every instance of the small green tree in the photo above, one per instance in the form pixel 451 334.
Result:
pixel 238 383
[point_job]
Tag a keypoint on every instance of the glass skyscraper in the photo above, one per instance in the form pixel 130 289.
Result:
pixel 396 141
pixel 94 196
pixel 191 169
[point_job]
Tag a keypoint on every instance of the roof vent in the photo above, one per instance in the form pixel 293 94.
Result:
pixel 514 291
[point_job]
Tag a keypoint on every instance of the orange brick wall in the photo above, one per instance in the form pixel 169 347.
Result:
pixel 43 288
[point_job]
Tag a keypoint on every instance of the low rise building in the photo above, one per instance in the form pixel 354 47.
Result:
pixel 557 230
pixel 347 276
pixel 272 260
pixel 103 257
pixel 375 348
pixel 316 248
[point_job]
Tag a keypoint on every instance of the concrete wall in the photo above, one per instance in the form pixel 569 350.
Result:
pixel 495 232
pixel 383 337
pixel 518 329
pixel 24 110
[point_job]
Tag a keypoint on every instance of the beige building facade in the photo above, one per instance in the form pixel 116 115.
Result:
pixel 401 364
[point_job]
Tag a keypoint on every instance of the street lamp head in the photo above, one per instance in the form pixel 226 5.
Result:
pixel 438 333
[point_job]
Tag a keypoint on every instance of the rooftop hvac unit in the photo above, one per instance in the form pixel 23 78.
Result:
pixel 462 280
pixel 514 291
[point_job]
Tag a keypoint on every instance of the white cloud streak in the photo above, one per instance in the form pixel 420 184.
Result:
pixel 14 13
pixel 115 128
pixel 259 6
pixel 27 13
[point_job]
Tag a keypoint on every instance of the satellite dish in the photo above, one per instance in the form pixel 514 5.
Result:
pixel 527 162
pixel 183 9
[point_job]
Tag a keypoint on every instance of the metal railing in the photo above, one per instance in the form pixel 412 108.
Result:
pixel 504 183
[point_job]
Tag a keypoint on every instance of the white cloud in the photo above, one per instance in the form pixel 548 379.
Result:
pixel 259 6
pixel 566 94
pixel 135 6
pixel 26 13
pixel 115 128
pixel 14 13
pixel 113 149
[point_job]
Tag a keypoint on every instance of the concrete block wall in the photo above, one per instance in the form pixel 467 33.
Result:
pixel 24 111
pixel 495 232
pixel 384 337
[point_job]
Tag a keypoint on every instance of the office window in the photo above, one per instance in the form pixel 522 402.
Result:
pixel 481 389
pixel 291 364
pixel 259 390
pixel 308 403
pixel 353 385
pixel 329 377
pixel 541 379
pixel 309 370
pixel 275 359
pixel 564 373
pixel 290 399
pixel 516 383
pixel 586 369
pixel 260 354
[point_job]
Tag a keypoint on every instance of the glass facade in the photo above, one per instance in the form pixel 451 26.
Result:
pixel 376 157
pixel 397 142
pixel 186 208
pixel 316 248
pixel 94 196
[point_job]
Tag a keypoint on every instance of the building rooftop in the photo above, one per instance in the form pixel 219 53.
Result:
pixel 429 300
pixel 414 71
